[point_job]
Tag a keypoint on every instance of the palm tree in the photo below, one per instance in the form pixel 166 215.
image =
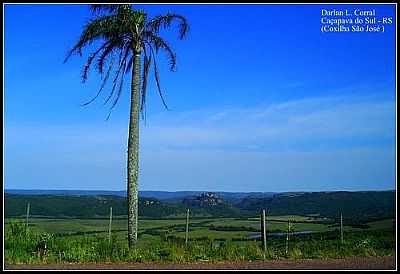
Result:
pixel 125 38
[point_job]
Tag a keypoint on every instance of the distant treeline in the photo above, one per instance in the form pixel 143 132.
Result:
pixel 83 206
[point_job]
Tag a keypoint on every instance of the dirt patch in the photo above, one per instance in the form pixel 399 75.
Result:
pixel 347 263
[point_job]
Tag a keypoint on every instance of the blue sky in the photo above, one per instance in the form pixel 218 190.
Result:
pixel 261 101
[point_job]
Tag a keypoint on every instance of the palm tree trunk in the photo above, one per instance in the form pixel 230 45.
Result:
pixel 133 153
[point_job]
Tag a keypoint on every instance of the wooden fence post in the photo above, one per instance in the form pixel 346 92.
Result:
pixel 287 237
pixel 261 228
pixel 264 234
pixel 109 226
pixel 187 227
pixel 27 215
pixel 341 227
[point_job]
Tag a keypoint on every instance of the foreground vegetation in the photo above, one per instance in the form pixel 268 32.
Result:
pixel 160 242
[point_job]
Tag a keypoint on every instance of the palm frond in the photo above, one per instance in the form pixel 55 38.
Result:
pixel 145 76
pixel 159 43
pixel 158 79
pixel 121 83
pixel 100 27
pixel 122 60
pixel 103 83
pixel 113 45
pixel 89 61
pixel 111 8
pixel 165 21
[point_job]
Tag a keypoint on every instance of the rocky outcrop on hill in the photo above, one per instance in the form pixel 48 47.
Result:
pixel 207 199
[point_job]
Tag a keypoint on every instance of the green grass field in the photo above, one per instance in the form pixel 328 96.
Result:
pixel 225 228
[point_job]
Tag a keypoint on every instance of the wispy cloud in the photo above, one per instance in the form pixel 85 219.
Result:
pixel 312 122
pixel 311 144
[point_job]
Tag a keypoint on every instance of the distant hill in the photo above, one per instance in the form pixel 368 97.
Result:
pixel 231 197
pixel 356 207
pixel 62 206
pixel 81 206
pixel 172 196
pixel 65 192
pixel 211 203
pixel 204 200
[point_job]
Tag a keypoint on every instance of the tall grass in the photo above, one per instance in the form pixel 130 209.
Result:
pixel 23 245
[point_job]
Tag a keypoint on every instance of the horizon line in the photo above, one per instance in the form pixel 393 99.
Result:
pixel 366 190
